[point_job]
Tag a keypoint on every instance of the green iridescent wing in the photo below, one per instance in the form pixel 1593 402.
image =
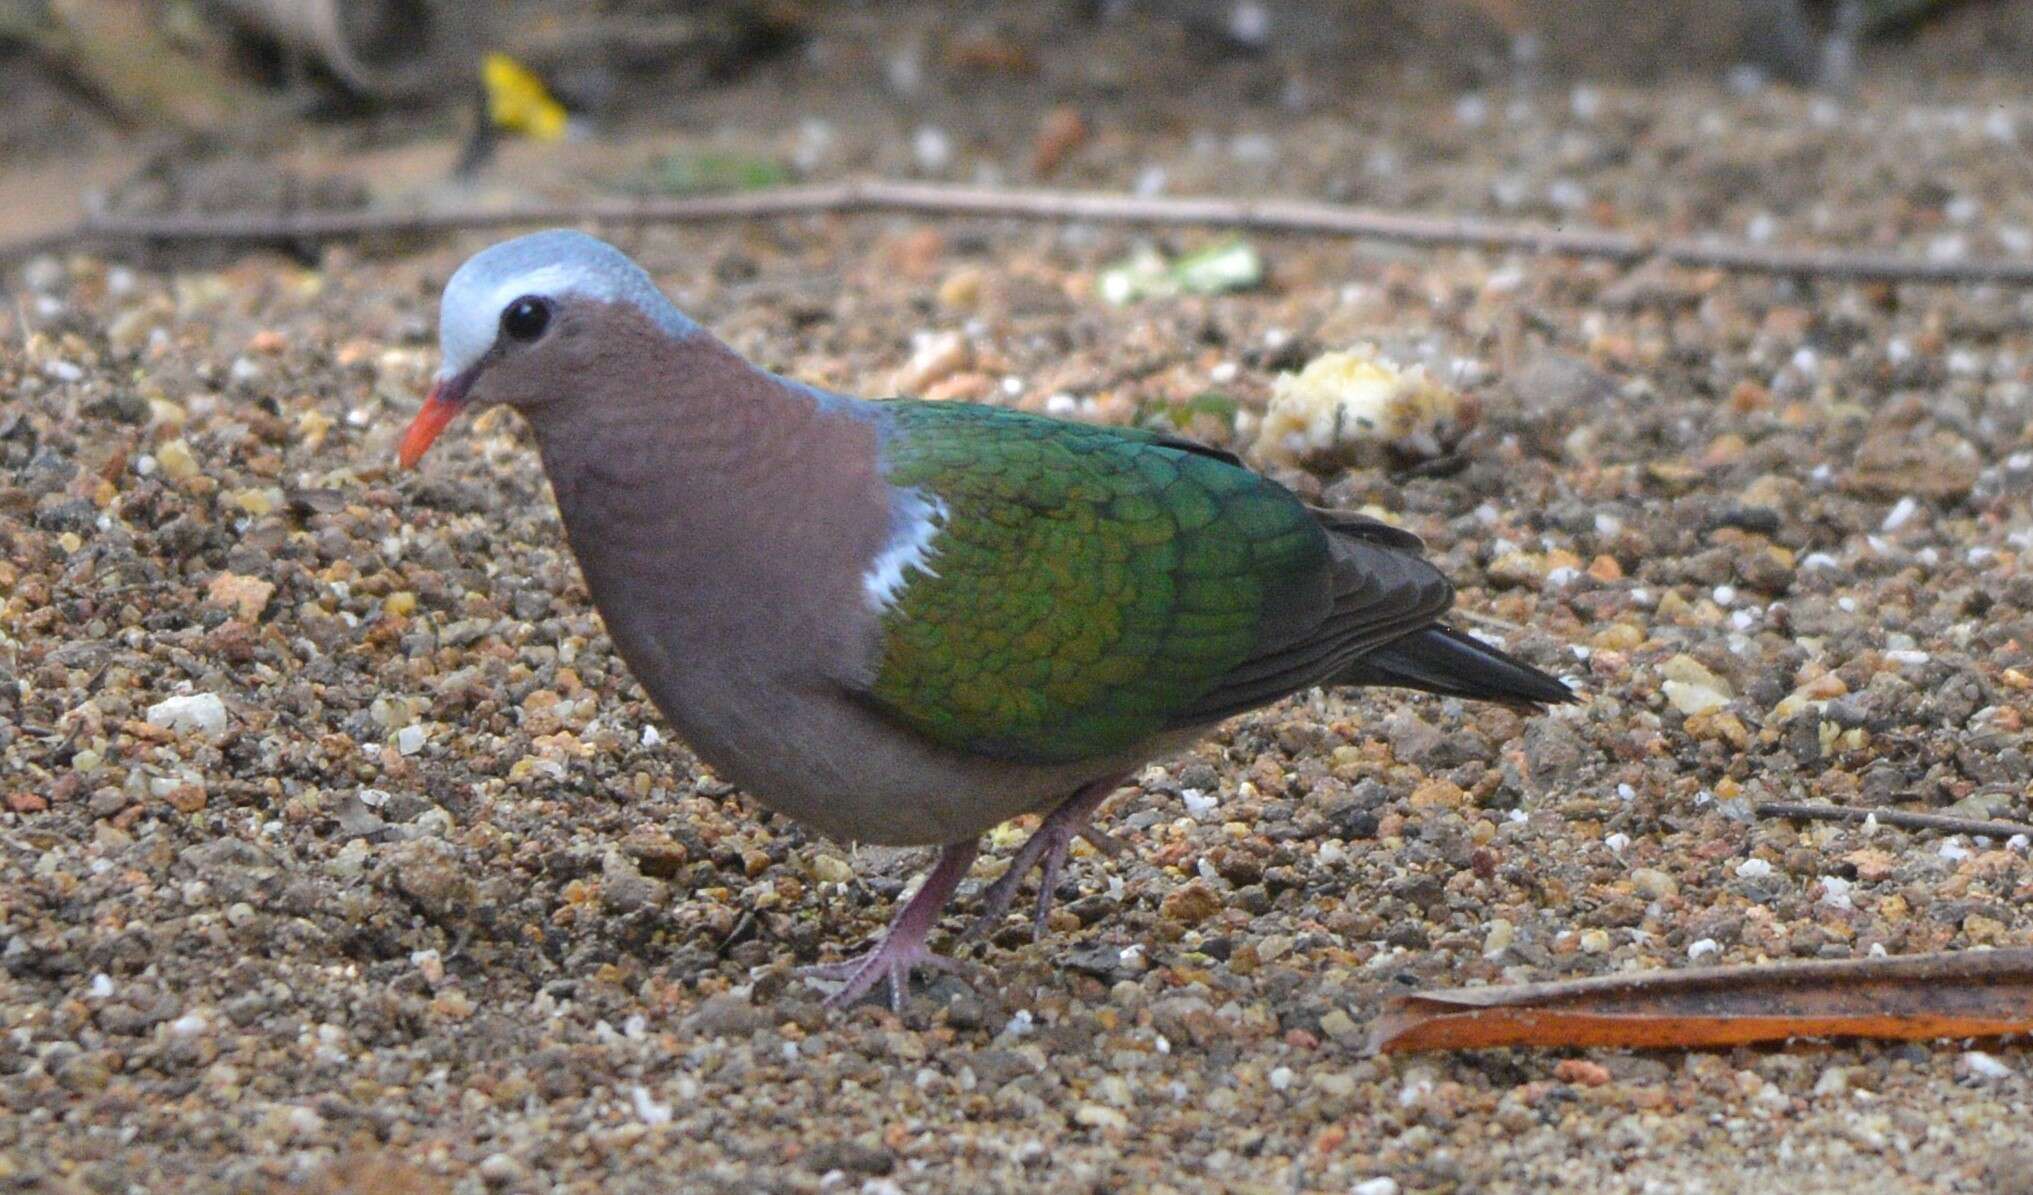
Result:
pixel 1091 587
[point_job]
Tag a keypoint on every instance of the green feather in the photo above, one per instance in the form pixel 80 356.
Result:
pixel 1089 584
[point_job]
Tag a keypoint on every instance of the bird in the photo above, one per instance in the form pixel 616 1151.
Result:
pixel 905 622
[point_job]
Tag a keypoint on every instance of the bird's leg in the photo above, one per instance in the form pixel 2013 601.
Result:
pixel 1046 850
pixel 902 948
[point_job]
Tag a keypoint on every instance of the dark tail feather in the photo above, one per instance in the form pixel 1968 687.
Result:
pixel 1442 660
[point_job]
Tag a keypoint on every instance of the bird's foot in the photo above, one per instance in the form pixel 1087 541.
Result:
pixel 1046 851
pixel 892 960
pixel 902 948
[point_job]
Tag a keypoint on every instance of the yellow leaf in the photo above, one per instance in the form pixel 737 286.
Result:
pixel 518 101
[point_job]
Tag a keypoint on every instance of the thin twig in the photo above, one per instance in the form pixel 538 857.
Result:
pixel 1947 823
pixel 936 199
pixel 1485 620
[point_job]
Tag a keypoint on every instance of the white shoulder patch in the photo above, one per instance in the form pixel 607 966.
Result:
pixel 919 518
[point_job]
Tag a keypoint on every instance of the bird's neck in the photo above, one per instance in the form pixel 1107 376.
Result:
pixel 710 502
pixel 696 426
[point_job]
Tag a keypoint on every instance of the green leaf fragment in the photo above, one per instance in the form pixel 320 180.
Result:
pixel 1227 265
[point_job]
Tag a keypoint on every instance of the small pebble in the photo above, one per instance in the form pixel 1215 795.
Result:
pixel 202 713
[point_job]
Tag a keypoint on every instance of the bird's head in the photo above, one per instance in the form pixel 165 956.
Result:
pixel 521 320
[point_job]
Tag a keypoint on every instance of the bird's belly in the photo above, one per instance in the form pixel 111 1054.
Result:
pixel 847 773
pixel 801 746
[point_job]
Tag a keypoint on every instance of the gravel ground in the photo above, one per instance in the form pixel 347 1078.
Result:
pixel 337 848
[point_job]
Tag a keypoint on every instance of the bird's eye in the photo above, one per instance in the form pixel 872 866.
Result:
pixel 526 318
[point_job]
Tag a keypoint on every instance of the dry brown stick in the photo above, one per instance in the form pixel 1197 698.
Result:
pixel 1895 817
pixel 1962 993
pixel 879 195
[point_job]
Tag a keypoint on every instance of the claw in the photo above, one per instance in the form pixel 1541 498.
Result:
pixel 891 962
pixel 1101 840
pixel 902 949
pixel 1046 850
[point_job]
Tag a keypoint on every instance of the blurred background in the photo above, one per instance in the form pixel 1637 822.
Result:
pixel 211 105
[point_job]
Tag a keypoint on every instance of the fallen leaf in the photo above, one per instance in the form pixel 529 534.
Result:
pixel 518 101
pixel 1062 132
pixel 1227 265
pixel 1977 993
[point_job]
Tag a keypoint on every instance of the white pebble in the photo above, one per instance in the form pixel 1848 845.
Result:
pixel 1753 869
pixel 63 371
pixel 498 1169
pixel 652 737
pixel 932 148
pixel 1255 148
pixel 1281 1078
pixel 305 1122
pixel 202 712
pixel 1617 842
pixel 410 739
pixel 1198 804
pixel 1954 851
pixel 102 986
pixel 1249 22
pixel 1418 1085
pixel 1983 1065
pixel 1566 194
pixel 1385 1185
pixel 1703 949
pixel 1691 699
pixel 648 1109
pixel 1900 514
pixel 43 274
pixel 1835 892
pixel 429 964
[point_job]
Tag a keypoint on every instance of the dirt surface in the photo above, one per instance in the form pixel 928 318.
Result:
pixel 337 848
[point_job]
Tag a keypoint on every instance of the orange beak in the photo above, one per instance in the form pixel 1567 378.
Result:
pixel 446 400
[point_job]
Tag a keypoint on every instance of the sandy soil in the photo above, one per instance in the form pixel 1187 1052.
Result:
pixel 402 891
